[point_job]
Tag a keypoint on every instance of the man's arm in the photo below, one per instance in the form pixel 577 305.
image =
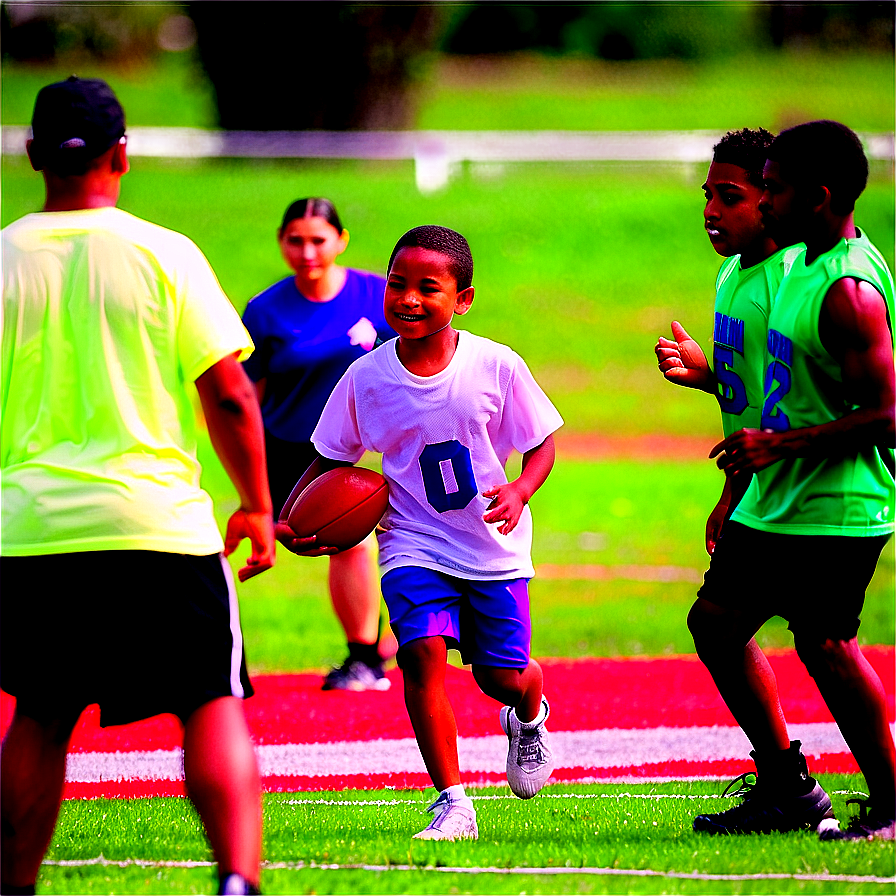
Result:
pixel 681 361
pixel 854 328
pixel 234 425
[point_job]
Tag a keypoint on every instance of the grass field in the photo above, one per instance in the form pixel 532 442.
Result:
pixel 530 92
pixel 359 842
pixel 579 268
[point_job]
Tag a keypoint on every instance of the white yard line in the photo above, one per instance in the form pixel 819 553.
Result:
pixel 589 750
pixel 607 748
pixel 609 872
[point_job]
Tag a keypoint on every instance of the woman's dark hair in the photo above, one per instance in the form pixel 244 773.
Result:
pixel 823 153
pixel 312 208
pixel 746 148
pixel 444 241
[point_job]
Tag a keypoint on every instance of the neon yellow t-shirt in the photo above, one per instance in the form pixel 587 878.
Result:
pixel 107 321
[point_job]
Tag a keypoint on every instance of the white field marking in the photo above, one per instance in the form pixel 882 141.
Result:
pixel 507 796
pixel 615 872
pixel 603 749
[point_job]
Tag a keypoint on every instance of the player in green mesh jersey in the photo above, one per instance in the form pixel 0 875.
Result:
pixel 746 283
pixel 820 506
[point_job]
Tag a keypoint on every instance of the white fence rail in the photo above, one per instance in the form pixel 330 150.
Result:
pixel 434 153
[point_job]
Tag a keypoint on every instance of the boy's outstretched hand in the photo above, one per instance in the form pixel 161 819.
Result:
pixel 682 361
pixel 506 507
pixel 259 529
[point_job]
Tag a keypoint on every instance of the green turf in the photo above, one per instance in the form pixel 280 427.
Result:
pixel 619 520
pixel 613 826
pixel 581 276
pixel 772 89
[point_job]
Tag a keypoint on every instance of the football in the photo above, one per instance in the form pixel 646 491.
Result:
pixel 341 507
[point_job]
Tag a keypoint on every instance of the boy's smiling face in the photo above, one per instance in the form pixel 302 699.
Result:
pixel 421 294
pixel 731 214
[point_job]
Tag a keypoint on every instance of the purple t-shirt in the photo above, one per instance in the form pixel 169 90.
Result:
pixel 302 348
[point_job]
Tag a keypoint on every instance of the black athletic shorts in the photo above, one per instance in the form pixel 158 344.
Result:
pixel 816 582
pixel 287 461
pixel 139 632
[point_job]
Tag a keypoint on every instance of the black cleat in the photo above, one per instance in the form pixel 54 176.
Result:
pixel 764 811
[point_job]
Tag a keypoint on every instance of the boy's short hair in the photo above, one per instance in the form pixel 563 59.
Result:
pixel 74 122
pixel 314 207
pixel 823 153
pixel 447 242
pixel 745 148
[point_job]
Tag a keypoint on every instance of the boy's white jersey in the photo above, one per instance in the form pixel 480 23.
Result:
pixel 444 439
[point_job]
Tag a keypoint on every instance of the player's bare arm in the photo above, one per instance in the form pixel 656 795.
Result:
pixel 682 361
pixel 855 330
pixel 234 425
pixel 508 500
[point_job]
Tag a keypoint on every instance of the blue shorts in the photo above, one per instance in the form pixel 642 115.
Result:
pixel 487 620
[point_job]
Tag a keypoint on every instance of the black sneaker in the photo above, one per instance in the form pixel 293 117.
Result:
pixel 763 811
pixel 867 825
pixel 353 675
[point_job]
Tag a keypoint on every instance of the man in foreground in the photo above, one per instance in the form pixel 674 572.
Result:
pixel 115 589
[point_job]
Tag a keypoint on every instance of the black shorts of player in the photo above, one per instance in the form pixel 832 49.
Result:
pixel 287 461
pixel 816 582
pixel 138 632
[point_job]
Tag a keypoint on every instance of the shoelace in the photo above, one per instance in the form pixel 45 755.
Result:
pixel 530 748
pixel 745 783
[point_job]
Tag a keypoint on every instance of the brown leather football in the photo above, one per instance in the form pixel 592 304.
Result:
pixel 341 507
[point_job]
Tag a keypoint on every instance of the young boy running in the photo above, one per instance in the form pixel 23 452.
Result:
pixel 745 286
pixel 445 408
pixel 820 506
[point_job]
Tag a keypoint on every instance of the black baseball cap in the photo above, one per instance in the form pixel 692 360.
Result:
pixel 74 121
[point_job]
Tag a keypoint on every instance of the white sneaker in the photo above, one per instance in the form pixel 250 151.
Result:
pixel 529 758
pixel 453 820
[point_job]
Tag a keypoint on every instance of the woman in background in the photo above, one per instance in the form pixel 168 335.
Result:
pixel 307 329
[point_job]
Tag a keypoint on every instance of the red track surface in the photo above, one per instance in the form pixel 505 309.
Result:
pixel 585 695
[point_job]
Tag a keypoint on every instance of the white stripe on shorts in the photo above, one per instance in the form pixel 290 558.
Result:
pixel 236 650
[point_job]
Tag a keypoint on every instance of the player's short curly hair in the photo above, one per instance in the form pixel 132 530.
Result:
pixel 446 242
pixel 823 153
pixel 746 148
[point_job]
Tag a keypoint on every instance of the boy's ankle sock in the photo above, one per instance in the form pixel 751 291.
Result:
pixel 456 793
pixel 542 715
pixel 233 884
pixel 365 653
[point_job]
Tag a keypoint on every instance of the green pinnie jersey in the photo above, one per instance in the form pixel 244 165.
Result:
pixel 743 302
pixel 851 495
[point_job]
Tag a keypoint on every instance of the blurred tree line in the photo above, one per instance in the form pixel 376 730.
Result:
pixel 333 65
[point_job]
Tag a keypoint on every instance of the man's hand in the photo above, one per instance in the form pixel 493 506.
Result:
pixel 749 451
pixel 259 529
pixel 682 361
